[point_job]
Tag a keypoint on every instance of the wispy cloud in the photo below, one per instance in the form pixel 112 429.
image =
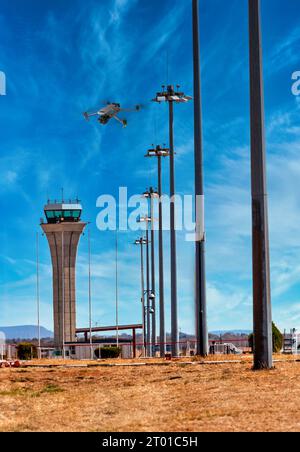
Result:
pixel 285 52
pixel 73 59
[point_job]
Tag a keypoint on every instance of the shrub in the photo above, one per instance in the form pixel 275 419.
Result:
pixel 277 339
pixel 276 336
pixel 26 351
pixel 109 352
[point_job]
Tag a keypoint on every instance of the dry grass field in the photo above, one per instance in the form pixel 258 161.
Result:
pixel 178 397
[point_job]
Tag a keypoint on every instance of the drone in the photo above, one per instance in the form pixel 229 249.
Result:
pixel 111 111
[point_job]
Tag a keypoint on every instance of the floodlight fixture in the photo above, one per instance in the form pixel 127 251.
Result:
pixel 145 219
pixel 158 151
pixel 151 193
pixel 141 241
pixel 169 94
pixel 146 195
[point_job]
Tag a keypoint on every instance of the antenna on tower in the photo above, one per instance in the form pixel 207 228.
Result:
pixel 62 195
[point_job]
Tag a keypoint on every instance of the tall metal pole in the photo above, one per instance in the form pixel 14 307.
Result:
pixel 260 237
pixel 174 307
pixel 160 152
pixel 117 290
pixel 200 284
pixel 162 334
pixel 38 293
pixel 148 334
pixel 143 294
pixel 90 296
pixel 171 96
pixel 153 288
pixel 63 292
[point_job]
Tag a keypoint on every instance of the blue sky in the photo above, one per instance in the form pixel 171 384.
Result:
pixel 63 57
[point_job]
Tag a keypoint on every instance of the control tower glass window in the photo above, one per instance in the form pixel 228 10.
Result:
pixel 63 213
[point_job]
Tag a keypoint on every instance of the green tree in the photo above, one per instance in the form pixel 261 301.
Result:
pixel 277 339
pixel 276 336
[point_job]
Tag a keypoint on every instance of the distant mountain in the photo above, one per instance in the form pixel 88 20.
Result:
pixel 219 332
pixel 24 332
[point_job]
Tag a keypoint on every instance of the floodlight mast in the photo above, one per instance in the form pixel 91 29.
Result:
pixel 260 239
pixel 141 243
pixel 200 279
pixel 160 153
pixel 63 295
pixel 151 194
pixel 147 220
pixel 170 95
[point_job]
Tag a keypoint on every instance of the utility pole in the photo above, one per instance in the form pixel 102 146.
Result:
pixel 260 232
pixel 200 286
pixel 160 153
pixel 171 96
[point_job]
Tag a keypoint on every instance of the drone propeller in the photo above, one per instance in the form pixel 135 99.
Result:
pixel 133 109
pixel 140 107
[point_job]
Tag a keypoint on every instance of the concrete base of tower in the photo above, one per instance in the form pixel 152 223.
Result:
pixel 63 239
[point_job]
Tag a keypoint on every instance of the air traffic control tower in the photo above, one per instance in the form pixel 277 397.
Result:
pixel 63 230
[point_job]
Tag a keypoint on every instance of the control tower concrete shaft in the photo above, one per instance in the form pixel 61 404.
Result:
pixel 63 230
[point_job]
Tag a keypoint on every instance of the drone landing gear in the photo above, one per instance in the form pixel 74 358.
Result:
pixel 124 122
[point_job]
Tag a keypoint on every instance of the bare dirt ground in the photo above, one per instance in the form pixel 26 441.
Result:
pixel 179 397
